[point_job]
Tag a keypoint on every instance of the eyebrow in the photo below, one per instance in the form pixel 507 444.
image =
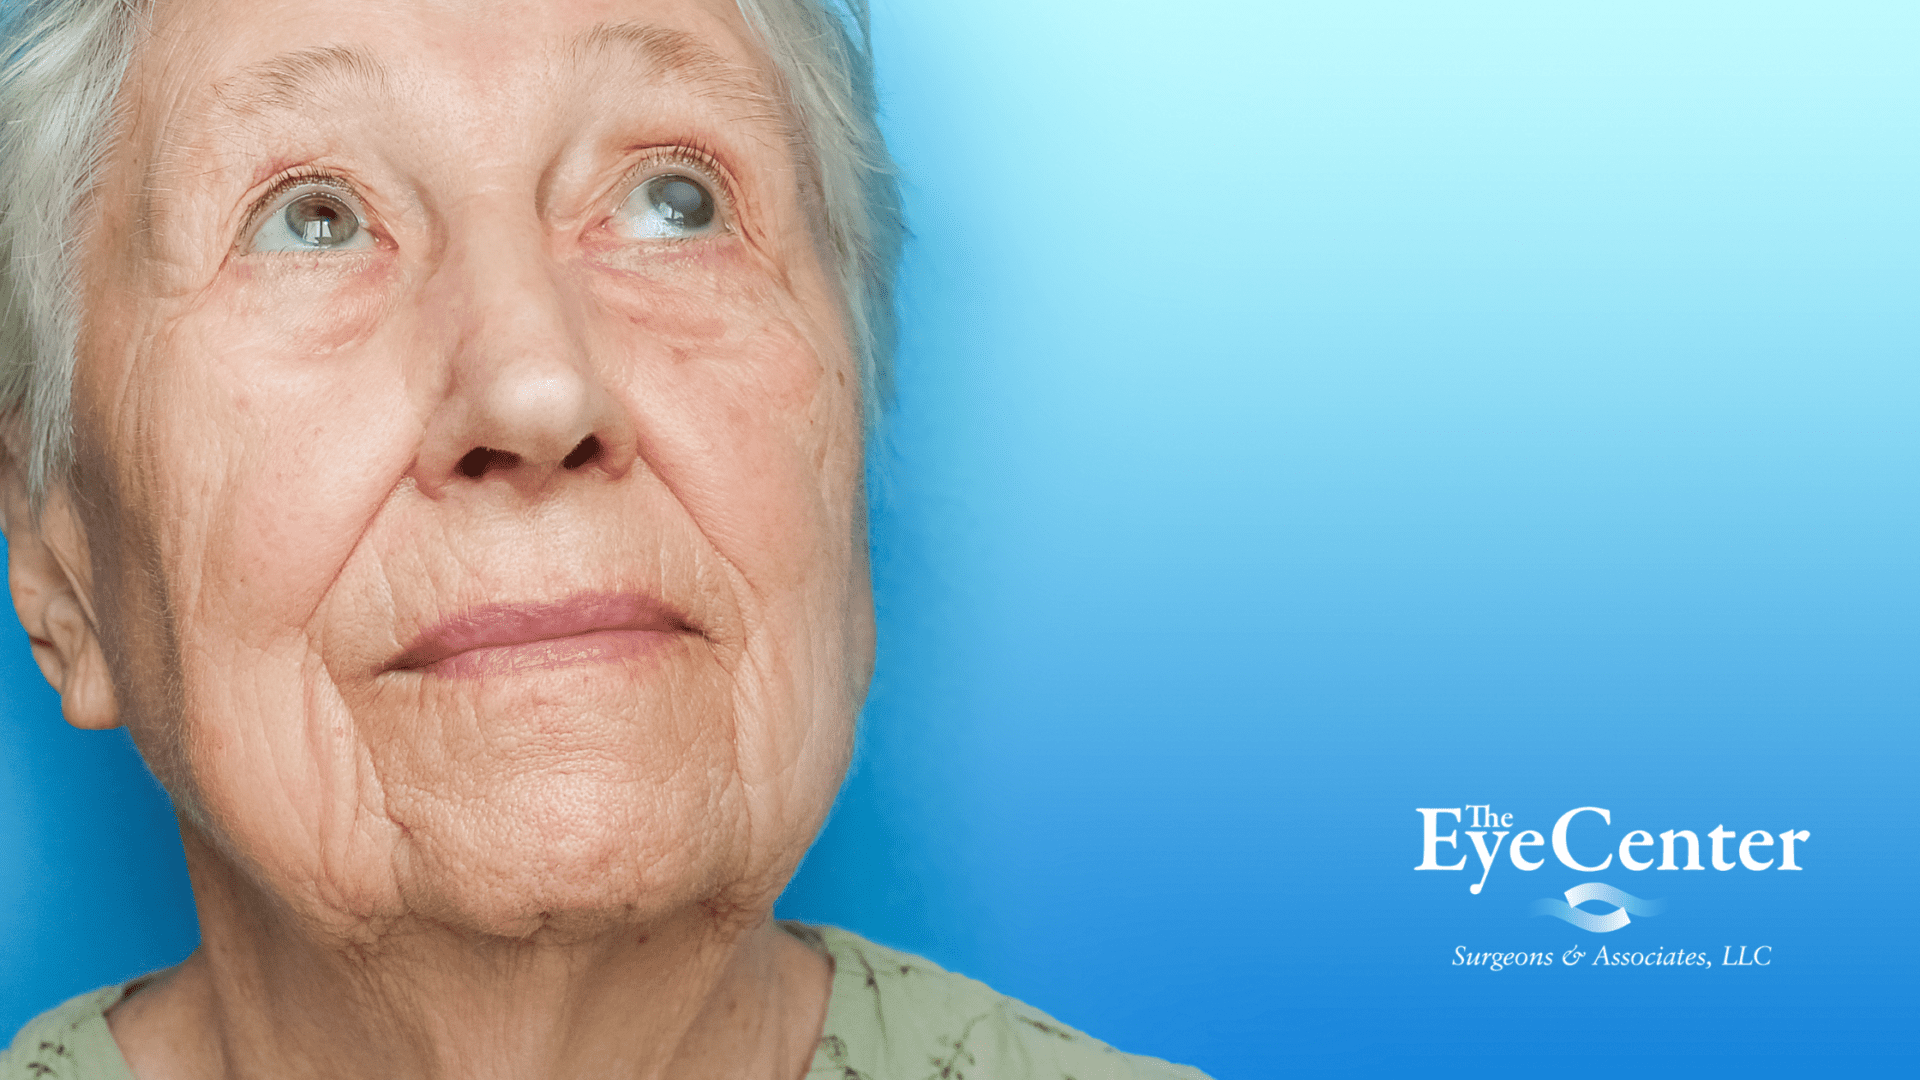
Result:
pixel 288 82
pixel 673 54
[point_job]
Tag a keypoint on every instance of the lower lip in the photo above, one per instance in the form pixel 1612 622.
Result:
pixel 594 647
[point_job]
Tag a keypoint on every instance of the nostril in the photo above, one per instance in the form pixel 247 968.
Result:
pixel 588 449
pixel 480 460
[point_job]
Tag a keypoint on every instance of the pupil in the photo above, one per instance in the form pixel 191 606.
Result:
pixel 682 202
pixel 321 220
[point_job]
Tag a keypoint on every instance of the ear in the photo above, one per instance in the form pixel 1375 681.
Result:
pixel 51 578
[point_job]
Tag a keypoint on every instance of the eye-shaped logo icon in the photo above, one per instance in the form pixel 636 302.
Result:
pixel 1569 909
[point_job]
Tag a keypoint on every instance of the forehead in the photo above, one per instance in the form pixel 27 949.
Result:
pixel 213 64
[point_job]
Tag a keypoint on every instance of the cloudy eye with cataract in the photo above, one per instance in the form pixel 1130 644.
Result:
pixel 313 218
pixel 669 206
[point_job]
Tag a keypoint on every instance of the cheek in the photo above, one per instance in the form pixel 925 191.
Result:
pixel 748 410
pixel 274 434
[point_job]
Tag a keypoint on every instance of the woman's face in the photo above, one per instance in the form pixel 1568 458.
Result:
pixel 469 449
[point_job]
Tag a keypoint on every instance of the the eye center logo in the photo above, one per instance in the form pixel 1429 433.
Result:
pixel 1587 841
pixel 1623 903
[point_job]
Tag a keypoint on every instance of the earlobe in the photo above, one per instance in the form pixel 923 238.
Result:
pixel 86 688
pixel 50 596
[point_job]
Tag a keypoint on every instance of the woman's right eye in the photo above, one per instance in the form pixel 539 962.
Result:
pixel 316 217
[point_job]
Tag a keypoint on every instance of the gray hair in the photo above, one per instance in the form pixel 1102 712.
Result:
pixel 63 66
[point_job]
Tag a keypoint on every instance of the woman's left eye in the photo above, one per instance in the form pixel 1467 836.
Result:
pixel 313 217
pixel 669 206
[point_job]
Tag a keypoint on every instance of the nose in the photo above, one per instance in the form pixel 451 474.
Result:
pixel 521 399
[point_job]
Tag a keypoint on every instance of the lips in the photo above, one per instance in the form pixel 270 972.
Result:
pixel 512 637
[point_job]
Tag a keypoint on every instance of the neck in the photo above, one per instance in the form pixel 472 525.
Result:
pixel 689 997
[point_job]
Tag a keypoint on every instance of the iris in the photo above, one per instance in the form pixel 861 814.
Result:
pixel 670 205
pixel 321 221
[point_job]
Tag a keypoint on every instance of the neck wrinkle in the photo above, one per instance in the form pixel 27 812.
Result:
pixel 264 998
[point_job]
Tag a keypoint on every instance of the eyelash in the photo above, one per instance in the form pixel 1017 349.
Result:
pixel 693 156
pixel 301 176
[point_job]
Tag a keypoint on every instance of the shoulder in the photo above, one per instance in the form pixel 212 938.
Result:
pixel 70 1042
pixel 894 1016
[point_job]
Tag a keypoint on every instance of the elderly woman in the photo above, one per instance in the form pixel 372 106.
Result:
pixel 434 428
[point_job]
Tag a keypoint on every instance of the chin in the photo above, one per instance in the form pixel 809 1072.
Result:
pixel 571 855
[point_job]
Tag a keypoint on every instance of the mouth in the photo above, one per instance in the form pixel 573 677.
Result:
pixel 498 638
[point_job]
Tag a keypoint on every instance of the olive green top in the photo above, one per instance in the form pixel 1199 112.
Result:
pixel 891 1017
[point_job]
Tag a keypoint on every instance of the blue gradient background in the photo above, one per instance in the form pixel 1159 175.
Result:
pixel 1308 413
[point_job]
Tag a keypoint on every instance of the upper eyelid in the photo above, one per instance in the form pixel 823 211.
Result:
pixel 700 161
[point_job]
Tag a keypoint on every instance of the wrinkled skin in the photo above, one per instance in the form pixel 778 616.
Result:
pixel 547 858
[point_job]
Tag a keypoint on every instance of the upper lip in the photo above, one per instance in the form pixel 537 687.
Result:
pixel 493 625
